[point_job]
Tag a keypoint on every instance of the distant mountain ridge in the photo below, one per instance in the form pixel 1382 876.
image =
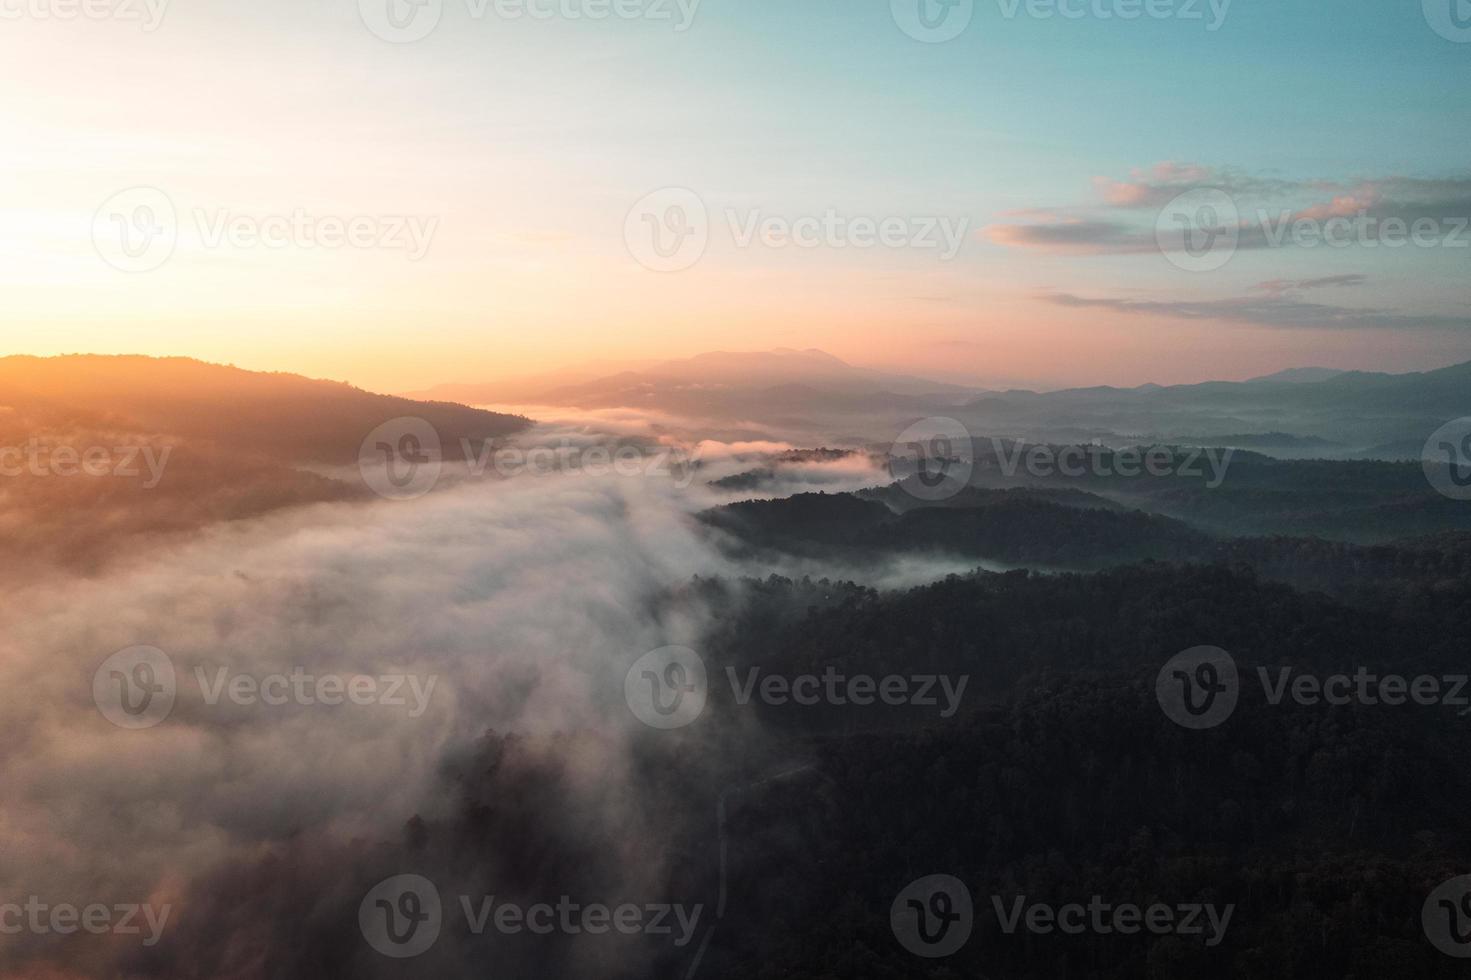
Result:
pixel 718 374
pixel 1358 411
pixel 1309 412
pixel 285 416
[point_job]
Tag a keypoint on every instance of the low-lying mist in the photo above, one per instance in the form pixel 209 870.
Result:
pixel 489 610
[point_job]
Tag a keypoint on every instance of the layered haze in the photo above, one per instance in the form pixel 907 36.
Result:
pixel 509 601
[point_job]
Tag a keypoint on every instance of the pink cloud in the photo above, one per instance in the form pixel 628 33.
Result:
pixel 1153 186
pixel 1359 200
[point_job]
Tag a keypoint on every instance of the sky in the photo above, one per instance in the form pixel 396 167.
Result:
pixel 401 193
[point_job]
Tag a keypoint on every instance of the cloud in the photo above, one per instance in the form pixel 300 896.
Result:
pixel 1272 310
pixel 1279 286
pixel 1074 236
pixel 1151 188
pixel 1267 208
pixel 1158 185
pixel 527 598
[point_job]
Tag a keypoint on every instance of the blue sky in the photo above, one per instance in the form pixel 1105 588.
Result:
pixel 527 142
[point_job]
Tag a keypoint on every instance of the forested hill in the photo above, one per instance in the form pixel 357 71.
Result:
pixel 1227 491
pixel 1325 826
pixel 1045 529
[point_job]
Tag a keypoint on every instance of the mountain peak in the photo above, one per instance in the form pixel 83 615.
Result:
pixel 811 352
pixel 810 356
pixel 1302 375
